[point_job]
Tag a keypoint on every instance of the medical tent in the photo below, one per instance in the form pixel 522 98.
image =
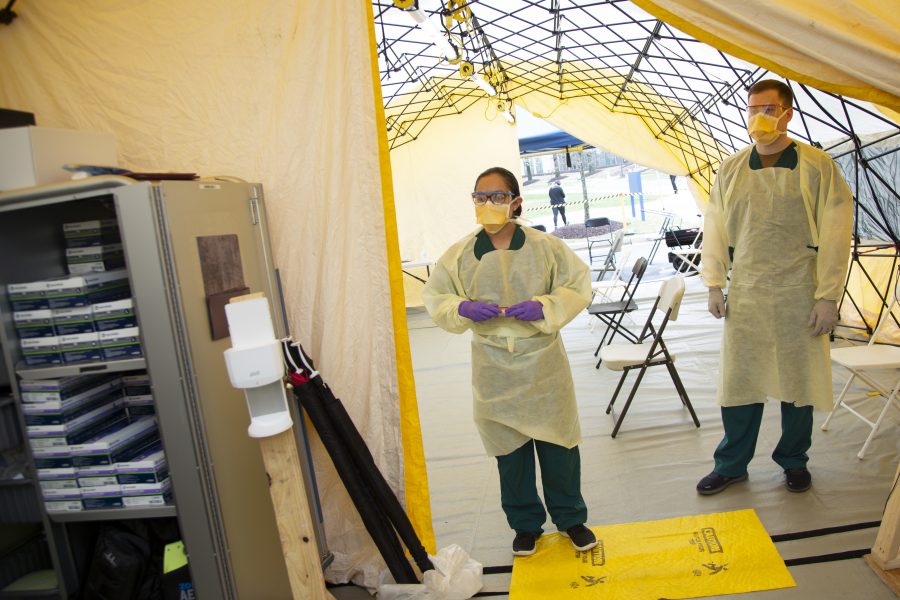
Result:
pixel 367 130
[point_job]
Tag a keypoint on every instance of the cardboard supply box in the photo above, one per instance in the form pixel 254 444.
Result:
pixel 32 156
pixel 58 484
pixel 28 295
pixel 34 323
pixel 72 321
pixel 91 233
pixel 58 413
pixel 147 494
pixel 63 506
pixel 90 259
pixel 121 343
pixel 118 445
pixel 80 348
pixel 60 494
pixel 65 388
pixel 118 314
pixel 80 429
pixel 136 384
pixel 149 467
pixel 41 351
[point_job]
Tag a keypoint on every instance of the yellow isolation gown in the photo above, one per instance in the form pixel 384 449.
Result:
pixel 774 218
pixel 521 380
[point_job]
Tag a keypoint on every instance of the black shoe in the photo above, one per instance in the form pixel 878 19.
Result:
pixel 523 545
pixel 715 483
pixel 797 480
pixel 582 537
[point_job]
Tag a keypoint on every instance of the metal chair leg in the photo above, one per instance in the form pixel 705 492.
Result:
pixel 630 398
pixel 840 400
pixel 682 393
pixel 616 393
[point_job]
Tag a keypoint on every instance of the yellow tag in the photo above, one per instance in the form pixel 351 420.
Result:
pixel 686 557
pixel 174 557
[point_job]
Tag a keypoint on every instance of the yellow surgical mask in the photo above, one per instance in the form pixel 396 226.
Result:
pixel 763 128
pixel 492 217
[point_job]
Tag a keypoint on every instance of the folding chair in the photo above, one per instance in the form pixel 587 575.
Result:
pixel 650 351
pixel 609 263
pixel 612 313
pixel 604 288
pixel 605 238
pixel 685 245
pixel 861 361
pixel 664 228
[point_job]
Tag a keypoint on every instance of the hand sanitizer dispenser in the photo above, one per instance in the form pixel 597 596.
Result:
pixel 255 365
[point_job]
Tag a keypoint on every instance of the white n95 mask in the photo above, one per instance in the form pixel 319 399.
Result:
pixel 763 128
pixel 492 217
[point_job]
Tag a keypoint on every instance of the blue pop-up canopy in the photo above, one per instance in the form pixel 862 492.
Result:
pixel 549 142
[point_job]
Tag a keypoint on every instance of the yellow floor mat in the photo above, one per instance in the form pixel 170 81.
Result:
pixel 685 557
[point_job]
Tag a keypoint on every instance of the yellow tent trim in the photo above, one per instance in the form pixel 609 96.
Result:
pixel 418 501
pixel 870 94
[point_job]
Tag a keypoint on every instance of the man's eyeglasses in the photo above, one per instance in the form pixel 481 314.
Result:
pixel 495 198
pixel 768 109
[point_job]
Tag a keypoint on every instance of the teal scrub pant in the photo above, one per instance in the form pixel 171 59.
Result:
pixel 561 479
pixel 742 429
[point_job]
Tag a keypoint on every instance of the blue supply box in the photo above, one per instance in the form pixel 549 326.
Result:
pixel 121 343
pixel 118 314
pixel 91 233
pixel 117 445
pixel 148 467
pixel 92 259
pixel 26 296
pixel 80 348
pixel 34 323
pixel 41 351
pixel 72 321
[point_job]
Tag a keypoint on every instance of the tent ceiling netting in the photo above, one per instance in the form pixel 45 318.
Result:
pixel 689 95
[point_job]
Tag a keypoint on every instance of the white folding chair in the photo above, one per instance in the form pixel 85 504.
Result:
pixel 650 351
pixel 864 363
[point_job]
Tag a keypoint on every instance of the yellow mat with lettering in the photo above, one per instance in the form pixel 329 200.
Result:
pixel 685 557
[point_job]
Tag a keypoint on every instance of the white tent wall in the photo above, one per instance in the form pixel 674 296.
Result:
pixel 280 93
pixel 435 174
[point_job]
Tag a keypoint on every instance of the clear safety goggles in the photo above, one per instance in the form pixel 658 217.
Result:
pixel 768 109
pixel 495 198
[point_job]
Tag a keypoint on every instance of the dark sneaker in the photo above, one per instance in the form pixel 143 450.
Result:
pixel 797 480
pixel 715 483
pixel 582 537
pixel 523 545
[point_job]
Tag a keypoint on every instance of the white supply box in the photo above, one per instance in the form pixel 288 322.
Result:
pixel 35 155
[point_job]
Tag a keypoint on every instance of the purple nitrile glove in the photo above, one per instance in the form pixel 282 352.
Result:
pixel 530 310
pixel 478 311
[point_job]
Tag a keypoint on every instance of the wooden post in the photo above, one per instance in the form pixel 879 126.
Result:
pixel 295 527
pixel 885 556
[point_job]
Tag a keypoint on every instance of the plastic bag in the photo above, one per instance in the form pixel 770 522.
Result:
pixel 455 577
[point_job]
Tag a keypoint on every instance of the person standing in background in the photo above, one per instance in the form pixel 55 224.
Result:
pixel 558 202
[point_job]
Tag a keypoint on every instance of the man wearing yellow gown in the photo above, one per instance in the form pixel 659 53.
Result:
pixel 515 287
pixel 780 217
